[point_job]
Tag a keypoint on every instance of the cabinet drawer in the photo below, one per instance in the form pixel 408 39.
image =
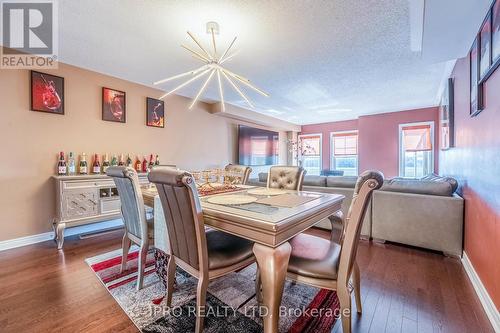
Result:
pixel 110 206
pixel 80 204
pixel 81 184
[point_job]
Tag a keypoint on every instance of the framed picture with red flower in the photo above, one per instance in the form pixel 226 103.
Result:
pixel 46 93
pixel 113 105
pixel 155 112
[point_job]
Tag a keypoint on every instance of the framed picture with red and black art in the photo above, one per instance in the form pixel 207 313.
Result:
pixel 46 93
pixel 155 112
pixel 113 105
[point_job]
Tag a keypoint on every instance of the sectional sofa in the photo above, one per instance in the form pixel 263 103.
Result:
pixel 423 212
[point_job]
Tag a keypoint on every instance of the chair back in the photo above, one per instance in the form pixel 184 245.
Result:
pixel 183 215
pixel 244 170
pixel 286 177
pixel 367 182
pixel 132 203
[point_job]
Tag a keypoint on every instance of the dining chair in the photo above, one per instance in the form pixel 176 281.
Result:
pixel 326 264
pixel 138 228
pixel 205 255
pixel 286 177
pixel 244 170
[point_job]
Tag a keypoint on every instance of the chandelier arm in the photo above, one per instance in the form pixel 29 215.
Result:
pixel 185 83
pixel 246 82
pixel 237 89
pixel 227 50
pixel 193 72
pixel 213 42
pixel 228 57
pixel 202 89
pixel 196 54
pixel 199 45
pixel 220 91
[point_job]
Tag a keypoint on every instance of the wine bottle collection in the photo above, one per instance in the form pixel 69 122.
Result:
pixel 68 167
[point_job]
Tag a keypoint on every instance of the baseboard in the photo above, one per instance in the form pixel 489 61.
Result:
pixel 46 236
pixel 486 301
pixel 23 241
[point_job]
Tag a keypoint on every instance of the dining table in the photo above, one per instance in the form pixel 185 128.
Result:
pixel 270 218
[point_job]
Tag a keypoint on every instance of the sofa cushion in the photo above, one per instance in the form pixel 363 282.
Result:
pixel 429 187
pixel 263 177
pixel 314 181
pixel 432 176
pixel 341 181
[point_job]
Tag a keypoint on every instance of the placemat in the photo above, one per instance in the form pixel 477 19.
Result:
pixel 231 199
pixel 266 191
pixel 287 200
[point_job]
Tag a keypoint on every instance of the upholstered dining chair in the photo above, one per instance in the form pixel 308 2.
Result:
pixel 205 255
pixel 324 263
pixel 243 170
pixel 286 177
pixel 138 229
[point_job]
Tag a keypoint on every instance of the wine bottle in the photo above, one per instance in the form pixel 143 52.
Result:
pixel 157 160
pixel 83 164
pixel 61 165
pixel 105 164
pixel 129 161
pixel 114 160
pixel 121 161
pixel 151 162
pixel 71 164
pixel 138 166
pixel 144 164
pixel 96 167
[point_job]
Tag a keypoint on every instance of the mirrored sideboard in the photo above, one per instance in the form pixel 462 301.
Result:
pixel 85 199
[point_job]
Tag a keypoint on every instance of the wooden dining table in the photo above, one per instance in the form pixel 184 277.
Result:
pixel 270 222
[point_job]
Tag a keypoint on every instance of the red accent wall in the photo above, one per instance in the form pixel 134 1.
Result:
pixel 378 138
pixel 475 161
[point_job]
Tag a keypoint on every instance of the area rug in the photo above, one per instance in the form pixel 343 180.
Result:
pixel 231 304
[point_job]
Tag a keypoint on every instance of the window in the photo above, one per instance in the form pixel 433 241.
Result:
pixel 345 152
pixel 310 153
pixel 416 153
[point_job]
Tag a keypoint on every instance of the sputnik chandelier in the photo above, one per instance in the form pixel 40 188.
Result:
pixel 212 66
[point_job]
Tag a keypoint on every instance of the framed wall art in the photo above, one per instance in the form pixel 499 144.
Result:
pixel 155 112
pixel 113 105
pixel 46 93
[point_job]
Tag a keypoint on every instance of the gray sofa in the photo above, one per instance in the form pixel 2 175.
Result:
pixel 425 213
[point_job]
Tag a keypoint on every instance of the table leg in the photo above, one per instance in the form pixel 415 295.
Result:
pixel 273 264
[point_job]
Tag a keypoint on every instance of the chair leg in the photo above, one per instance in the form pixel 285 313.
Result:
pixel 126 243
pixel 201 298
pixel 170 279
pixel 258 286
pixel 143 253
pixel 356 277
pixel 345 308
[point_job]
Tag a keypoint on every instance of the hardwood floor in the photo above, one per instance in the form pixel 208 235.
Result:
pixel 403 290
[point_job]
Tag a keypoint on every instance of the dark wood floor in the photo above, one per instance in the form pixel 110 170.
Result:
pixel 403 290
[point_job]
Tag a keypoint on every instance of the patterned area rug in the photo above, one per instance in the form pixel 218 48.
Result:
pixel 231 304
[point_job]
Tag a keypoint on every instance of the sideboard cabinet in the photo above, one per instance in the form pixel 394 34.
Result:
pixel 85 199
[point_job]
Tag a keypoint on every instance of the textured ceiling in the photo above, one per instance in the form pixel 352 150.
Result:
pixel 319 60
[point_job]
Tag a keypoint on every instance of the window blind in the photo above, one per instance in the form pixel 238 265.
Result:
pixel 417 138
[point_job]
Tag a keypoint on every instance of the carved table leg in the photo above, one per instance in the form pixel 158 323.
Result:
pixel 273 264
pixel 60 235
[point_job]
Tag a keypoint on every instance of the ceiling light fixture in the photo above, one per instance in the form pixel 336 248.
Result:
pixel 212 65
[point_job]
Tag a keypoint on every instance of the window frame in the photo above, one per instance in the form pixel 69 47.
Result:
pixel 332 148
pixel 299 152
pixel 400 146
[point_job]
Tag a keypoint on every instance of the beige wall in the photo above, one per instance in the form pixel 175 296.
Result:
pixel 192 139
